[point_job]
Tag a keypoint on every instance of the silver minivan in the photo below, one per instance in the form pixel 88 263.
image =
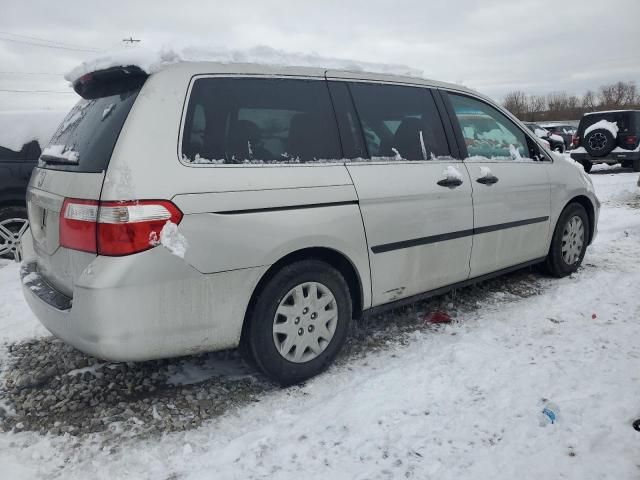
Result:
pixel 209 206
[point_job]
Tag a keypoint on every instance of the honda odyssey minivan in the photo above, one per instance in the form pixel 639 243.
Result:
pixel 209 206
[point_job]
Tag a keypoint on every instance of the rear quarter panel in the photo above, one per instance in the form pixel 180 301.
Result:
pixel 146 165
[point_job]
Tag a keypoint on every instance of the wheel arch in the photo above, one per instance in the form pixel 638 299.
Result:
pixel 335 258
pixel 588 206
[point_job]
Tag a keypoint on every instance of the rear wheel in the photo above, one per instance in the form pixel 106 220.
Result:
pixel 599 142
pixel 569 243
pixel 299 322
pixel 13 224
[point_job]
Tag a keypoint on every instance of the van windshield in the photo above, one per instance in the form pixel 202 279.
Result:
pixel 85 140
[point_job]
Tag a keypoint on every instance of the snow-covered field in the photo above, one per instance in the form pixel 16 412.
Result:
pixel 457 401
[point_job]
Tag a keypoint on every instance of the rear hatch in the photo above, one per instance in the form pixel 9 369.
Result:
pixel 73 165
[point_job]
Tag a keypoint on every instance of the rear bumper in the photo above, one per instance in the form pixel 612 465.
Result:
pixel 145 306
pixel 613 157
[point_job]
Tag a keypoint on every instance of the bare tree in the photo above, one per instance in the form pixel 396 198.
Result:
pixel 563 106
pixel 589 102
pixel 517 103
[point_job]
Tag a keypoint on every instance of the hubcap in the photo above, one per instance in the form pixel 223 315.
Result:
pixel 305 322
pixel 572 240
pixel 11 231
pixel 597 141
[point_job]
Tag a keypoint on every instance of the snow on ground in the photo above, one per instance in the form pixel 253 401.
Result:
pixel 458 401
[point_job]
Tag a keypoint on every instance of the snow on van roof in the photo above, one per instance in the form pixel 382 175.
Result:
pixel 151 60
pixel 20 127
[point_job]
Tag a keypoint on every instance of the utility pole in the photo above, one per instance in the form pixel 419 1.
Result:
pixel 130 40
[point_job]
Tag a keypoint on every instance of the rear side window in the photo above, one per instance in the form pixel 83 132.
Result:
pixel 89 133
pixel 487 132
pixel 399 122
pixel 251 120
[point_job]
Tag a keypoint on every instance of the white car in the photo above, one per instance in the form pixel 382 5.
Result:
pixel 207 206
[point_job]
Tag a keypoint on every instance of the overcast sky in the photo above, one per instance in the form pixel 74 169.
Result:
pixel 494 46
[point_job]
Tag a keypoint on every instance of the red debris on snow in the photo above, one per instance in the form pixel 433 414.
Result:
pixel 594 316
pixel 436 317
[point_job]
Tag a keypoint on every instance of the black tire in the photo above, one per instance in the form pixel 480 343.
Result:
pixel 636 165
pixel 586 164
pixel 599 142
pixel 626 163
pixel 555 263
pixel 7 215
pixel 258 336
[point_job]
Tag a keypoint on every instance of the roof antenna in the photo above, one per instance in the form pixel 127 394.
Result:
pixel 130 40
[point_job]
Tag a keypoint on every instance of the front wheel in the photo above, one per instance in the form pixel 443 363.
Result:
pixel 569 243
pixel 299 321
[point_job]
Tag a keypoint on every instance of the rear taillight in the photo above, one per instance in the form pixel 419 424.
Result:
pixel 78 221
pixel 114 228
pixel 575 140
pixel 631 140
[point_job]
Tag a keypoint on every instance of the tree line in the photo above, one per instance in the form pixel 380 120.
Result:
pixel 564 106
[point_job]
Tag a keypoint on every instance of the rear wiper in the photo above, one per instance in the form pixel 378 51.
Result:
pixel 50 160
pixel 58 155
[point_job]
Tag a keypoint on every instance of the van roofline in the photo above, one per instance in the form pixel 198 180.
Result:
pixel 213 68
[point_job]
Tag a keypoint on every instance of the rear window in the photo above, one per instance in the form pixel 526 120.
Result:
pixel 626 121
pixel 251 120
pixel 85 140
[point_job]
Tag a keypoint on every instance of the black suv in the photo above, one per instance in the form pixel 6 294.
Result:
pixel 608 137
pixel 15 171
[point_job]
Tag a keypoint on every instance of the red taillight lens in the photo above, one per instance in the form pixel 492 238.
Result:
pixel 115 228
pixel 575 140
pixel 631 140
pixel 130 227
pixel 78 224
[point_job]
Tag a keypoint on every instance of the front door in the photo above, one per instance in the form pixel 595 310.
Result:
pixel 511 190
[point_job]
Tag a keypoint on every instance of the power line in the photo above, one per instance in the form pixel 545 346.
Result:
pixel 33 73
pixel 63 44
pixel 25 42
pixel 35 91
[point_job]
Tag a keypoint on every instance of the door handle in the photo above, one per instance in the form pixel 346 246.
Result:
pixel 488 180
pixel 450 182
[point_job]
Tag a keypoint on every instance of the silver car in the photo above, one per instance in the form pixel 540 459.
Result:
pixel 209 206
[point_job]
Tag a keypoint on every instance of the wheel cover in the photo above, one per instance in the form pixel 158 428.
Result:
pixel 598 141
pixel 572 240
pixel 11 231
pixel 305 322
